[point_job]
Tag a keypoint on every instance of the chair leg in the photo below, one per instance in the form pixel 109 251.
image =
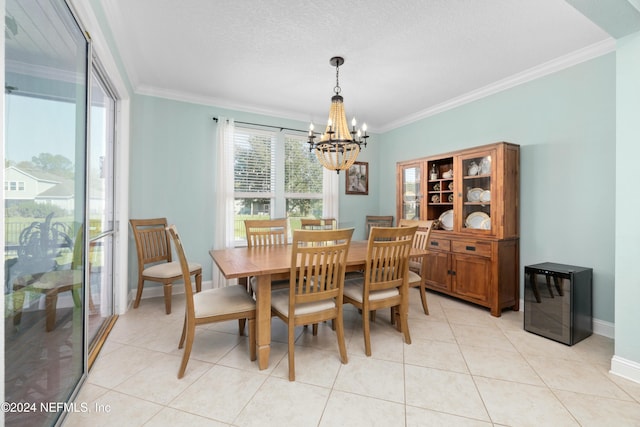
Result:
pixel 241 323
pixel 339 325
pixel 18 303
pixel 423 298
pixel 50 302
pixel 198 282
pixel 136 303
pixel 292 367
pixel 191 328
pixel 184 332
pixel 395 318
pixel 167 297
pixel 404 324
pixel 92 306
pixel 75 294
pixel 366 331
pixel 252 339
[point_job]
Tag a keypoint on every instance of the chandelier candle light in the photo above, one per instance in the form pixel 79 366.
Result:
pixel 338 147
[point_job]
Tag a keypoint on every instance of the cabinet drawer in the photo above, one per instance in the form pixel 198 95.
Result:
pixel 439 244
pixel 472 248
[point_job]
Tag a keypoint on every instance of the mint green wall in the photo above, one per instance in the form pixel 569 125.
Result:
pixel 565 125
pixel 171 175
pixel 627 248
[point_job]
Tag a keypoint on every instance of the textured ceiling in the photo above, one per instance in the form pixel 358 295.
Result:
pixel 403 59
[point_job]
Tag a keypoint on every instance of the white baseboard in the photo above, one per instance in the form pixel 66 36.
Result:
pixel 606 329
pixel 625 368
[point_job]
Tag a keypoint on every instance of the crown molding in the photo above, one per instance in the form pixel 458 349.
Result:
pixel 218 103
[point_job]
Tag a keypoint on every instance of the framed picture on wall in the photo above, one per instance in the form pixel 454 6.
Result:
pixel 358 178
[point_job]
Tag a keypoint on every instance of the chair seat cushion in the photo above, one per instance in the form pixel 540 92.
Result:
pixel 58 278
pixel 167 270
pixel 415 265
pixel 354 290
pixel 414 278
pixel 221 301
pixel 280 302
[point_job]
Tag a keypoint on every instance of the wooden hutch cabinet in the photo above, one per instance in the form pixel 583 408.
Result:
pixel 474 193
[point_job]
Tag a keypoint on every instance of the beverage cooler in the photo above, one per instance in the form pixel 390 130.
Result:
pixel 558 301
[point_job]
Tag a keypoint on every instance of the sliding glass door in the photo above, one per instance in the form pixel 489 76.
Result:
pixel 46 230
pixel 100 210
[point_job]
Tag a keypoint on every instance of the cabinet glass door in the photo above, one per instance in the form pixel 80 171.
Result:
pixel 411 192
pixel 477 186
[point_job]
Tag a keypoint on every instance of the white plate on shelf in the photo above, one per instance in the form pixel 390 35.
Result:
pixel 473 195
pixel 485 166
pixel 478 220
pixel 446 220
pixel 485 196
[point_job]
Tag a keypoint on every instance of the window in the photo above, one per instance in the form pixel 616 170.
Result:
pixel 275 176
pixel 14 185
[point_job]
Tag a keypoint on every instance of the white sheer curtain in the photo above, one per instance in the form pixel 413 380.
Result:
pixel 223 193
pixel 331 194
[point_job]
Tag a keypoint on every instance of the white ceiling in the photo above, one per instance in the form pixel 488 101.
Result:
pixel 403 59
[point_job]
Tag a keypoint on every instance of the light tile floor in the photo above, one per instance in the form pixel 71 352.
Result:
pixel 463 368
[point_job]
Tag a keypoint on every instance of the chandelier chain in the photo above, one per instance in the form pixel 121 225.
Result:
pixel 337 89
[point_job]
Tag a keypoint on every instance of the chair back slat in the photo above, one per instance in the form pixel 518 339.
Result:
pixel 318 263
pixel 152 240
pixel 423 233
pixel 388 252
pixel 270 232
pixel 420 241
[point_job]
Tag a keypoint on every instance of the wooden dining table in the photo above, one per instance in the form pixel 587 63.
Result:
pixel 265 262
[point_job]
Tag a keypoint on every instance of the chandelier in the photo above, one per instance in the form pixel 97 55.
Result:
pixel 338 147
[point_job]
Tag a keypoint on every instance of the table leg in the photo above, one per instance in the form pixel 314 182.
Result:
pixel 263 315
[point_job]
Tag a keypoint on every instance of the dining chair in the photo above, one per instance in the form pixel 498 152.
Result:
pixel 154 258
pixel 266 232
pixel 318 224
pixel 385 282
pixel 378 221
pixel 51 284
pixel 420 241
pixel 262 233
pixel 210 306
pixel 316 283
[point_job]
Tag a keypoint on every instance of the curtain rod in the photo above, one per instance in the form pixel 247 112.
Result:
pixel 215 119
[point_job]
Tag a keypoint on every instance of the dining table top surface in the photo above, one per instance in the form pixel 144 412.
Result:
pixel 244 261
